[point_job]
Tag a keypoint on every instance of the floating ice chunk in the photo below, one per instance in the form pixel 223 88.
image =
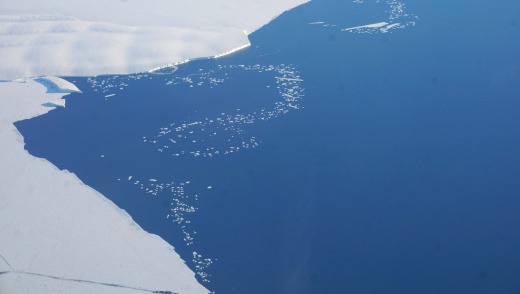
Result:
pixel 289 79
pixel 370 26
pixel 389 27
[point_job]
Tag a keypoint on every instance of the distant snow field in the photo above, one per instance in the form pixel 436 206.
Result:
pixel 89 37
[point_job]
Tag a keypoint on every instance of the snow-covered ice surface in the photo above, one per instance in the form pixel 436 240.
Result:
pixel 57 85
pixel 61 236
pixel 90 37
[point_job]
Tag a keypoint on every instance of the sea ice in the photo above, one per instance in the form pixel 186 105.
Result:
pixel 61 236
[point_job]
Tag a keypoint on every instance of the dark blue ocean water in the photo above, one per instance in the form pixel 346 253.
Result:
pixel 320 160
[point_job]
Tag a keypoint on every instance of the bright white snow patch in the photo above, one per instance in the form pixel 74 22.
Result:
pixel 57 85
pixel 59 235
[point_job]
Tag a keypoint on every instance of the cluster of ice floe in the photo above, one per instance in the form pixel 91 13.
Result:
pixel 114 83
pixel 181 205
pixel 201 264
pixel 199 79
pixel 225 133
pixel 220 135
pixel 397 18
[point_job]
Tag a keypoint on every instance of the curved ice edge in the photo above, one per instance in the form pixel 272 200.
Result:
pixel 220 55
pixel 57 85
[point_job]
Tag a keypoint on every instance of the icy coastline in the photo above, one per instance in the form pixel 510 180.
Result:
pixel 58 234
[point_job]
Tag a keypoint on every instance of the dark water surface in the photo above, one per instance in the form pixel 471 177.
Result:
pixel 320 160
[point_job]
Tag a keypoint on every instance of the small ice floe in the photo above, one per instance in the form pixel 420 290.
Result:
pixel 109 95
pixel 210 187
pixel 383 27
